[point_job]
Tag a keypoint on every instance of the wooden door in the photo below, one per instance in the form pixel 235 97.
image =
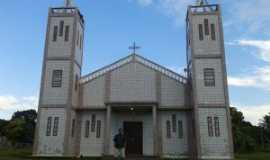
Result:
pixel 134 138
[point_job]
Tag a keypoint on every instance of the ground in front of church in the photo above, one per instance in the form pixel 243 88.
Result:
pixel 25 154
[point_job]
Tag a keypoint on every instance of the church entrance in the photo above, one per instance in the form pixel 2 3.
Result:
pixel 134 138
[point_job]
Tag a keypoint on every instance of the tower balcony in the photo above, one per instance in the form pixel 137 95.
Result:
pixel 202 9
pixel 66 11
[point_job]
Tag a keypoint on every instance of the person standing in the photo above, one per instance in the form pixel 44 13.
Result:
pixel 119 143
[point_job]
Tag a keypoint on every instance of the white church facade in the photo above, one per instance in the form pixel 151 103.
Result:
pixel 163 114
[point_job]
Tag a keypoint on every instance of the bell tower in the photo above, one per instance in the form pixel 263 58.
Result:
pixel 59 92
pixel 208 78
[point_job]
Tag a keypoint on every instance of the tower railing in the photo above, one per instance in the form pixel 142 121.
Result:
pixel 66 10
pixel 204 8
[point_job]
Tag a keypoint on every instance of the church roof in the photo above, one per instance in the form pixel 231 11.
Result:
pixel 134 58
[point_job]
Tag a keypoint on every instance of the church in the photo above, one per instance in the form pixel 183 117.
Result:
pixel 163 114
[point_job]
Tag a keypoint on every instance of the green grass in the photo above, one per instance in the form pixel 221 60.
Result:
pixel 253 156
pixel 12 154
pixel 25 154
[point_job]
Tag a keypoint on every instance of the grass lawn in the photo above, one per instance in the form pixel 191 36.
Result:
pixel 24 154
pixel 12 154
pixel 253 156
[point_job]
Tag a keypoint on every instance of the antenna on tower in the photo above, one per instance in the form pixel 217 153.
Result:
pixel 202 2
pixel 68 3
pixel 203 5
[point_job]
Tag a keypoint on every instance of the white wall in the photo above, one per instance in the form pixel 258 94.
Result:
pixel 72 139
pixel 60 48
pixel 206 46
pixel 174 147
pixel 93 92
pixel 51 145
pixel 214 147
pixel 133 82
pixel 78 50
pixel 75 93
pixel 209 95
pixel 172 93
pixel 56 95
pixel 92 146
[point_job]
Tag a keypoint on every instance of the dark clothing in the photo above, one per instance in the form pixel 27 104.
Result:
pixel 119 141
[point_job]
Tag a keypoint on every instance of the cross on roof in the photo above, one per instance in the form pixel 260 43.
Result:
pixel 134 47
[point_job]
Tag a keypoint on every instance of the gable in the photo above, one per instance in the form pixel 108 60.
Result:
pixel 138 59
pixel 133 82
pixel 133 79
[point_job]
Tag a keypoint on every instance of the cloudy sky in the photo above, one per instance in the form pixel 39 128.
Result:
pixel 158 26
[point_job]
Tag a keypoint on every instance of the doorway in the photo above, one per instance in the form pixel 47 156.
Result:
pixel 134 138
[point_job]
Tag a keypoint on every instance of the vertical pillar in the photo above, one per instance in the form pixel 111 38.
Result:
pixel 107 131
pixel 159 134
pixel 155 130
pixel 78 133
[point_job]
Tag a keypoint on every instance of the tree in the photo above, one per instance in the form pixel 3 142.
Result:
pixel 265 128
pixel 266 122
pixel 245 136
pixel 15 130
pixel 28 115
pixel 3 123
pixel 21 127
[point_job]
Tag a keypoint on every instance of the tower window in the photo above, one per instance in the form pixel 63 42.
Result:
pixel 78 37
pixel 213 32
pixel 76 82
pixel 200 32
pixel 168 127
pixel 98 128
pixel 210 126
pixel 55 30
pixel 206 27
pixel 57 78
pixel 67 33
pixel 209 77
pixel 93 123
pixel 180 129
pixel 81 41
pixel 73 128
pixel 49 126
pixel 217 129
pixel 174 123
pixel 55 126
pixel 61 28
pixel 87 124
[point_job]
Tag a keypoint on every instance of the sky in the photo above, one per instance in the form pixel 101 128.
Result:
pixel 157 26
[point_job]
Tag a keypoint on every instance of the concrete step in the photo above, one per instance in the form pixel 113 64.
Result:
pixel 133 158
pixel 141 158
